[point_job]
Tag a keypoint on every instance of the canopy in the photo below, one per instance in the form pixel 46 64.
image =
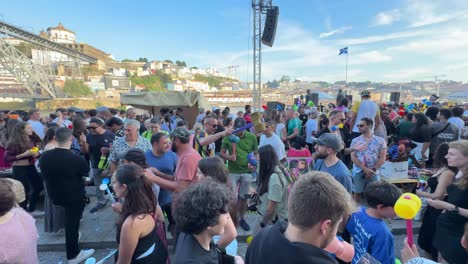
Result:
pixel 188 101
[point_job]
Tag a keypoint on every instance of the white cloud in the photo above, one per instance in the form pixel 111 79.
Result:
pixel 387 17
pixel 369 57
pixel 334 32
pixel 379 38
pixel 407 74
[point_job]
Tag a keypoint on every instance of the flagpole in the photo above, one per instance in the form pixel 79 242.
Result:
pixel 346 78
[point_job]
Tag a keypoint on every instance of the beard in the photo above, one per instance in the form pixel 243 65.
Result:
pixel 321 155
pixel 329 237
pixel 174 147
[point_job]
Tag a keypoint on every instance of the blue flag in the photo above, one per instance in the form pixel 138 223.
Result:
pixel 343 51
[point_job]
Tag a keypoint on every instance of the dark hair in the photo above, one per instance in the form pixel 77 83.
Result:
pixel 113 111
pixel 136 156
pixel 7 196
pixel 421 120
pixel 156 137
pixel 368 121
pixel 92 112
pixel 10 127
pixel 19 141
pixel 139 198
pixel 32 111
pixel 78 127
pixel 344 102
pixel 457 111
pixel 247 107
pixel 439 159
pixel 181 123
pixel 432 112
pixel 155 120
pixel 447 113
pixel 381 193
pixel 122 111
pixel 215 168
pixel 298 142
pixel 114 120
pixel 409 116
pixel 60 109
pixel 227 120
pixel 63 135
pixel 200 205
pixel 50 134
pixel 268 162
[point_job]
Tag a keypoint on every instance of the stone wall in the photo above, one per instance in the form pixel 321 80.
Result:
pixel 83 103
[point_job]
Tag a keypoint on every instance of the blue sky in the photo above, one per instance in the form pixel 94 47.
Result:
pixel 399 40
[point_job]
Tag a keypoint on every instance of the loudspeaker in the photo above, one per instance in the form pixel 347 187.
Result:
pixel 395 97
pixel 314 97
pixel 273 105
pixel 269 31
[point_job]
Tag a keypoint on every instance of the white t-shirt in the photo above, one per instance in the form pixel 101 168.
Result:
pixel 279 127
pixel 458 122
pixel 365 108
pixel 65 122
pixel 37 127
pixel 311 126
pixel 275 142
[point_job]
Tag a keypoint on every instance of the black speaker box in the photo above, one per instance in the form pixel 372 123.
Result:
pixel 269 31
pixel 395 97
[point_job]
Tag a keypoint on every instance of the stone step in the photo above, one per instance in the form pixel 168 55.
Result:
pixel 98 229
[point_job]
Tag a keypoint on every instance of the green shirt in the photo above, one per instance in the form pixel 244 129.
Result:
pixel 293 124
pixel 248 143
pixel 148 134
pixel 277 192
pixel 404 129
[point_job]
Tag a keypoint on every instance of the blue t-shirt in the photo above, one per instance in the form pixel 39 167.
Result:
pixel 371 235
pixel 338 170
pixel 165 164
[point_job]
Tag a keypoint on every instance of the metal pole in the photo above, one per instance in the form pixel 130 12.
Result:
pixel 346 74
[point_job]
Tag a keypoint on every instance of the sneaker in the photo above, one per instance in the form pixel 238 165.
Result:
pixel 82 256
pixel 37 213
pixel 98 207
pixel 244 225
pixel 61 232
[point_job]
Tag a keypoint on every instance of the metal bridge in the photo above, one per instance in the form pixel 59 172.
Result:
pixel 32 76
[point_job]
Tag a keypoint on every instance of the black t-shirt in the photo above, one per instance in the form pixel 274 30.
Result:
pixel 303 118
pixel 219 142
pixel 271 246
pixel 63 174
pixel 421 134
pixel 96 142
pixel 188 250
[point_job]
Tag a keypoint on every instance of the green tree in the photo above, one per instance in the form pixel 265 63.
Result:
pixel 153 82
pixel 142 59
pixel 273 84
pixel 194 67
pixel 25 49
pixel 169 61
pixel 127 60
pixel 285 78
pixel 76 88
pixel 181 63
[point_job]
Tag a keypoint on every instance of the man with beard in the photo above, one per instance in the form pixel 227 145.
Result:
pixel 187 163
pixel 316 208
pixel 204 141
pixel 327 146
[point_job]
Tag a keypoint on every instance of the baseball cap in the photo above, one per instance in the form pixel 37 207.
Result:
pixel 239 122
pixel 329 140
pixel 180 132
pixel 365 93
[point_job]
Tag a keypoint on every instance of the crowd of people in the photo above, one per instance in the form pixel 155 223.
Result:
pixel 200 180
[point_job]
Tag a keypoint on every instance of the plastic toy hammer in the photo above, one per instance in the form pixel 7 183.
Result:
pixel 406 207
pixel 105 188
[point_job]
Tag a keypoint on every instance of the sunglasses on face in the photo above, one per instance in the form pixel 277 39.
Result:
pixel 92 127
pixel 361 125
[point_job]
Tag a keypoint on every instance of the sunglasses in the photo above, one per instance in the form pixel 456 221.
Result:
pixel 361 125
pixel 92 127
pixel 342 119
